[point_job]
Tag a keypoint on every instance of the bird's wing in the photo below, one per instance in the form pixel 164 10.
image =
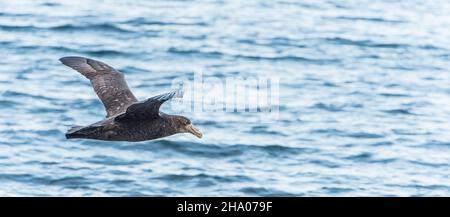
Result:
pixel 148 109
pixel 108 83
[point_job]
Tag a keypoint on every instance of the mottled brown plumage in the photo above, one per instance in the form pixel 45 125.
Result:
pixel 126 118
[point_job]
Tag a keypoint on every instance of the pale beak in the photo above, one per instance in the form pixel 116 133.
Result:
pixel 191 129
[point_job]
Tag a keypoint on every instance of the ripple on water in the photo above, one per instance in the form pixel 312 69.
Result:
pixel 399 111
pixel 217 151
pixel 336 132
pixel 437 144
pixel 337 190
pixel 369 158
pixel 370 19
pixel 69 181
pixel 266 192
pixel 364 135
pixel 328 107
pixel 394 95
pixel 112 161
pixel 351 96
pixel 203 178
pixel 325 163
pixel 17 94
pixel 7 104
pixel 264 130
pixel 145 21
pixel 365 43
pixel 102 27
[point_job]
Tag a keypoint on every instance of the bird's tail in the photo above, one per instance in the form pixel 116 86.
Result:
pixel 82 132
pixel 74 132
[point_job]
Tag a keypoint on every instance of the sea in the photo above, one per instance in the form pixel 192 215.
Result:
pixel 360 103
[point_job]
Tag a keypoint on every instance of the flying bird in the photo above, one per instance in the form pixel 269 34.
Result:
pixel 127 119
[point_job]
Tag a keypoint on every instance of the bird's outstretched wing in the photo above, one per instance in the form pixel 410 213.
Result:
pixel 148 109
pixel 108 83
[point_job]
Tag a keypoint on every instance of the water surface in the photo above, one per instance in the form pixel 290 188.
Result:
pixel 364 97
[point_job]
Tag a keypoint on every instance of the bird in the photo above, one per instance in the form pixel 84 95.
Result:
pixel 127 119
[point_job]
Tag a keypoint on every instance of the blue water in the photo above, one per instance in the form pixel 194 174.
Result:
pixel 364 97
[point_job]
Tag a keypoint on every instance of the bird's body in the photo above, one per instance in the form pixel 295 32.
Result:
pixel 126 119
pixel 108 129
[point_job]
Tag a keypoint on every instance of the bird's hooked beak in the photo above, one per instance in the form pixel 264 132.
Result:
pixel 191 129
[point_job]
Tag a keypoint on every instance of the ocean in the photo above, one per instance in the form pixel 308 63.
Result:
pixel 363 99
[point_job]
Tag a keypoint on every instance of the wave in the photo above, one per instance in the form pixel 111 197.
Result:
pixel 217 151
pixel 373 44
pixel 370 19
pixel 383 143
pixel 330 131
pixel 69 181
pixel 264 130
pixel 102 27
pixel 426 187
pixel 108 27
pixel 336 132
pixel 112 161
pixel 273 42
pixel 267 192
pixel 369 158
pixel 53 132
pixel 439 144
pixel 50 4
pixel 337 190
pixel 203 177
pixel 5 14
pixel 429 164
pixel 399 112
pixel 218 54
pixel 325 163
pixel 197 52
pixel 15 94
pixel 8 104
pixel 289 58
pixel 145 21
pixel 328 107
pixel 364 135
pixel 394 95
pixel 69 50
pixel 364 43
pixel 105 52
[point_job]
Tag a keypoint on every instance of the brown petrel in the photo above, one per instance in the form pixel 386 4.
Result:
pixel 126 119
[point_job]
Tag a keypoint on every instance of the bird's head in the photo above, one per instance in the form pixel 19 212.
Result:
pixel 185 126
